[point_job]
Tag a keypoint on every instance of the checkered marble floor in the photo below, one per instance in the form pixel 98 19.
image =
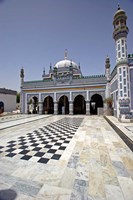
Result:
pixel 65 158
pixel 43 144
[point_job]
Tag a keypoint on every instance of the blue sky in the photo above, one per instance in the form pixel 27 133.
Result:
pixel 35 33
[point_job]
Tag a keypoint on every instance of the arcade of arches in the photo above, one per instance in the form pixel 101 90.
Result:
pixel 63 106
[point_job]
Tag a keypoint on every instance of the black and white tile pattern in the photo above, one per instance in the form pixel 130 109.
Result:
pixel 45 143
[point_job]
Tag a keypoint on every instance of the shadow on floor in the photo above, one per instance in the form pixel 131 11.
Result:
pixel 8 194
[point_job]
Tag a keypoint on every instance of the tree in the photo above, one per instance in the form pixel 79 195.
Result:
pixel 109 102
pixel 18 97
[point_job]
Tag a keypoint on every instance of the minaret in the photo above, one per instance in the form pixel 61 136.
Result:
pixel 120 36
pixel 22 76
pixel 107 74
pixel 54 74
pixel 21 92
pixel 70 72
pixel 43 75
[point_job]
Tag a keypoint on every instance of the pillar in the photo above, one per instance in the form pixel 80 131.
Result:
pixel 55 107
pixel 40 107
pixel 87 107
pixel 70 107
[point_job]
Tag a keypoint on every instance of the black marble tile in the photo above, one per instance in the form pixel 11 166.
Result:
pixel 39 154
pixel 43 160
pixel 52 150
pixel 62 148
pixel 23 147
pixel 36 149
pixel 26 157
pixel 58 144
pixel 24 152
pixel 35 145
pixel 11 145
pixel 48 146
pixel 11 154
pixel 10 150
pixel 56 157
pixel 13 141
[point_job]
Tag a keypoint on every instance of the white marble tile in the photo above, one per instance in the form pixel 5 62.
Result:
pixel 47 190
pixel 127 187
pixel 113 192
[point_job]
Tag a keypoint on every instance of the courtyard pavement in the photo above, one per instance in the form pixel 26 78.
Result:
pixel 64 158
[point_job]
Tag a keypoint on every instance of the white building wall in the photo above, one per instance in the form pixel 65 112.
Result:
pixel 9 101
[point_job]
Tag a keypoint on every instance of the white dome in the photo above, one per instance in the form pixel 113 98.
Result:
pixel 66 63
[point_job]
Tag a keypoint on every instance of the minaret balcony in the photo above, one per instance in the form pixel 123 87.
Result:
pixel 122 31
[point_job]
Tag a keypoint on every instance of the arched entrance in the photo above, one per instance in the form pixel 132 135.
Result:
pixel 33 105
pixel 79 105
pixel 63 105
pixel 48 105
pixel 1 107
pixel 95 103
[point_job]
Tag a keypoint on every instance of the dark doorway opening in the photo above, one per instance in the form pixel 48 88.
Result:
pixel 79 105
pixel 48 105
pixel 1 107
pixel 95 103
pixel 63 105
pixel 35 105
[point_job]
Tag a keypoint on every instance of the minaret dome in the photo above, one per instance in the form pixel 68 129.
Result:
pixel 119 22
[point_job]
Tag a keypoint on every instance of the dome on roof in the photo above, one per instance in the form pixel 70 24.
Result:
pixel 66 63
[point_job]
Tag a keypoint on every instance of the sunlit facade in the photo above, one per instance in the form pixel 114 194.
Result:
pixel 65 90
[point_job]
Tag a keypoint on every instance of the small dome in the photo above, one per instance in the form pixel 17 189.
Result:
pixel 119 12
pixel 66 63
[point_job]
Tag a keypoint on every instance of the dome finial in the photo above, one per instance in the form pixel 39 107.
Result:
pixel 43 72
pixel 118 7
pixel 66 54
pixel 22 72
pixel 79 65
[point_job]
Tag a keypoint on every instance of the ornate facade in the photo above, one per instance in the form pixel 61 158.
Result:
pixel 121 77
pixel 64 90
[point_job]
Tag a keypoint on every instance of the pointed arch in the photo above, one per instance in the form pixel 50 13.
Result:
pixel 95 103
pixel 63 105
pixel 79 105
pixel 33 105
pixel 48 105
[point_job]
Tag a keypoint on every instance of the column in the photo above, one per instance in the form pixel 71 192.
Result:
pixel 55 107
pixel 27 109
pixel 70 107
pixel 40 107
pixel 22 102
pixel 87 107
pixel 70 96
pixel 87 95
